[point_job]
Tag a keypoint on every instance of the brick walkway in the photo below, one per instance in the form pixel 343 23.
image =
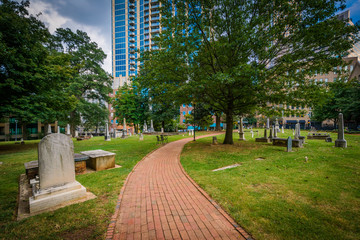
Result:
pixel 160 201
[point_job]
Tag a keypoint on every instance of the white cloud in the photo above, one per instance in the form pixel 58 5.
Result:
pixel 54 20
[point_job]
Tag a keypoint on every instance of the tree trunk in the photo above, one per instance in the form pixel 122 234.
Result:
pixel 24 131
pixel 72 125
pixel 229 129
pixel 163 125
pixel 217 127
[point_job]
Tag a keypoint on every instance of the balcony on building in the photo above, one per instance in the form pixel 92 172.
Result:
pixel 132 23
pixel 146 13
pixel 146 2
pixel 154 6
pixel 132 40
pixel 132 50
pixel 146 19
pixel 132 74
pixel 132 17
pixel 155 18
pixel 146 43
pixel 154 1
pixel 147 37
pixel 132 57
pixel 155 24
pixel 132 11
pixel 132 34
pixel 132 46
pixel 146 25
pixel 132 68
pixel 132 62
pixel 132 5
pixel 156 12
pixel 132 29
pixel 155 30
pixel 146 8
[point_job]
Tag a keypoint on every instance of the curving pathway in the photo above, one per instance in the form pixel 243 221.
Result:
pixel 160 201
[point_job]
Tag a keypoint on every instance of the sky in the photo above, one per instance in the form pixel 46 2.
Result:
pixel 94 17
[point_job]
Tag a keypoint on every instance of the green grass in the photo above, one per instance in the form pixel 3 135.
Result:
pixel 283 196
pixel 86 220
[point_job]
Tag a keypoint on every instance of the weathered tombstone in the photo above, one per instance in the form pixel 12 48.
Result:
pixel 298 123
pixel 275 132
pixel 58 129
pixel 252 133
pixel 282 129
pixel 241 131
pixel 145 127
pixel 141 137
pixel 151 126
pixel 293 132
pixel 267 123
pixel 340 141
pixel 277 129
pixel 289 145
pixel 124 135
pixel 49 129
pixel 57 174
pixel 215 142
pixel 162 130
pixel 107 135
pixel 76 133
pixel 68 130
pixel 296 131
pixel 328 139
pixel 271 136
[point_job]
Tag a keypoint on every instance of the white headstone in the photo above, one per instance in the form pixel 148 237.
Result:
pixel 49 129
pixel 340 141
pixel 68 129
pixel 76 133
pixel 141 137
pixel 56 161
pixel 58 129
pixel 282 129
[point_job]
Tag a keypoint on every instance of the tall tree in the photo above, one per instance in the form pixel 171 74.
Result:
pixel 90 83
pixel 129 103
pixel 237 56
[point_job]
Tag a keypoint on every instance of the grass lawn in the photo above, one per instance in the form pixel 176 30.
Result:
pixel 88 220
pixel 283 196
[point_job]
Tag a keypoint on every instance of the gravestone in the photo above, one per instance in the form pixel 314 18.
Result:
pixel 241 131
pixel 151 126
pixel 49 129
pixel 296 131
pixel 76 133
pixel 267 123
pixel 68 130
pixel 57 184
pixel 124 135
pixel 271 136
pixel 252 133
pixel 263 139
pixel 215 142
pixel 275 132
pixel 293 132
pixel 340 141
pixel 289 145
pixel 282 129
pixel 162 130
pixel 107 135
pixel 277 129
pixel 145 127
pixel 58 130
pixel 141 137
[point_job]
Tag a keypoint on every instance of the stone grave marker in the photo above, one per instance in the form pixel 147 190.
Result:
pixel 275 132
pixel 49 129
pixel 267 123
pixel 68 129
pixel 340 141
pixel 241 131
pixel 282 129
pixel 107 135
pixel 141 137
pixel 57 183
pixel 289 145
pixel 215 142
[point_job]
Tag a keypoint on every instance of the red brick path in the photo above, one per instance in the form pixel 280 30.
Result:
pixel 160 201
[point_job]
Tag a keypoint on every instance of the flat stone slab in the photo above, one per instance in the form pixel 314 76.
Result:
pixel 100 159
pixel 227 167
pixel 97 153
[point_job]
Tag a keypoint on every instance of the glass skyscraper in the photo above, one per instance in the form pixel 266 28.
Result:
pixel 134 23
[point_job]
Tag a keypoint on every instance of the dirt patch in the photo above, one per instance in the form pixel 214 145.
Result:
pixel 84 233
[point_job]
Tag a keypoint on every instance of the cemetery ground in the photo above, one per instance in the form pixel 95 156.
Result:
pixel 310 193
pixel 88 220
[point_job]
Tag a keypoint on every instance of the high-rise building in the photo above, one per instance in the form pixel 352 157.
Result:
pixel 134 24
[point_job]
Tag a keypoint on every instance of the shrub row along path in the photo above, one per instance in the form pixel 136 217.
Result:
pixel 160 201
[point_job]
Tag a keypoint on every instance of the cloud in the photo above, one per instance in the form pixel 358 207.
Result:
pixel 54 18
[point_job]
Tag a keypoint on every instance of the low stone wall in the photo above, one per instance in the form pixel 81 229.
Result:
pixel 282 142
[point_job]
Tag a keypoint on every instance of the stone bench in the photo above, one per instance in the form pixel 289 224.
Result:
pixel 100 159
pixel 282 142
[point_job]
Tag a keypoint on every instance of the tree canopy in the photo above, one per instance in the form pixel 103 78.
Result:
pixel 239 56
